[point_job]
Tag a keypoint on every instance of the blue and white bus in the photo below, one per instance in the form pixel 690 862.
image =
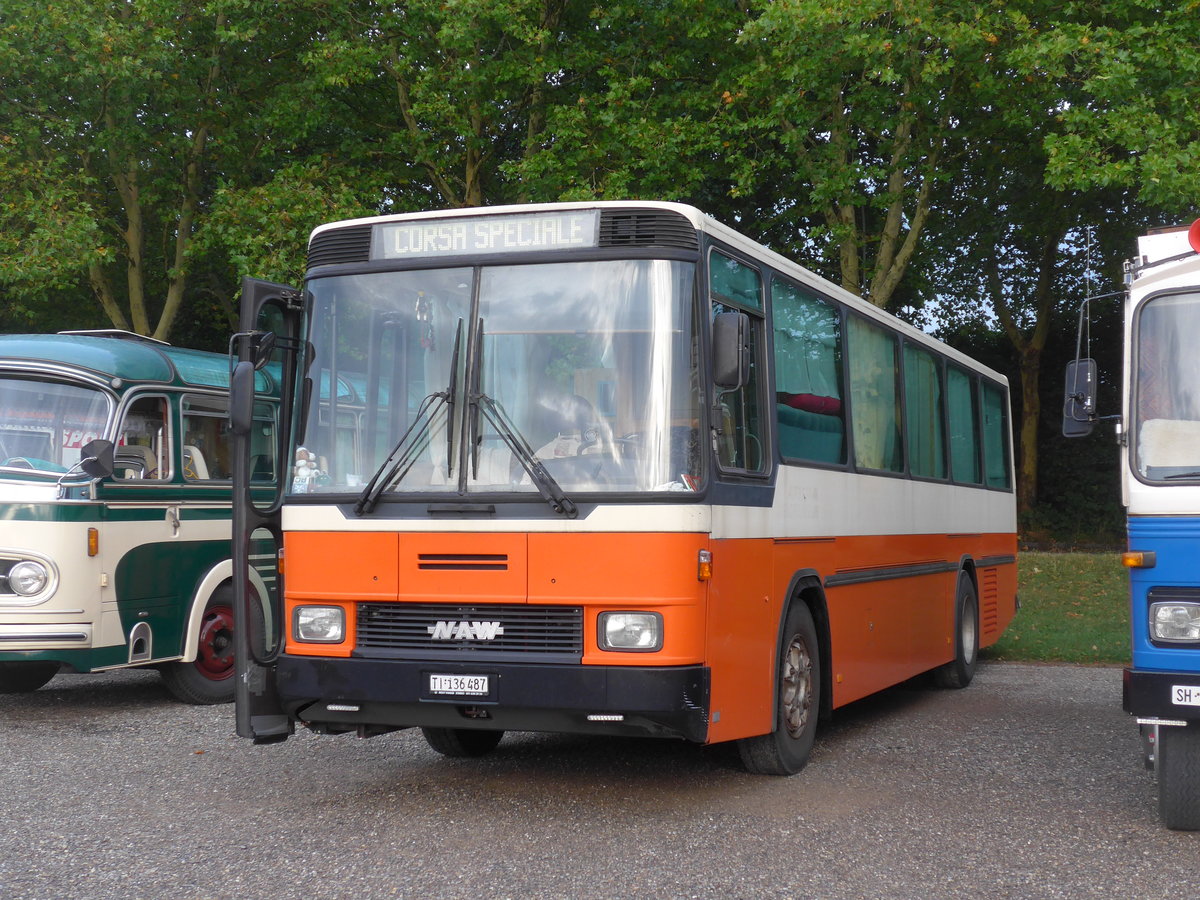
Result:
pixel 1159 436
pixel 115 482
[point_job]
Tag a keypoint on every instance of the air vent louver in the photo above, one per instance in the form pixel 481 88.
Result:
pixel 340 245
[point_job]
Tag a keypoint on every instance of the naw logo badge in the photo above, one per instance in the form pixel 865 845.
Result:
pixel 465 631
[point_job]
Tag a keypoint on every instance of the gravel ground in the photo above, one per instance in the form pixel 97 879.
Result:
pixel 1028 784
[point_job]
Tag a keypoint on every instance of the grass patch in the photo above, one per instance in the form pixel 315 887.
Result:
pixel 1074 608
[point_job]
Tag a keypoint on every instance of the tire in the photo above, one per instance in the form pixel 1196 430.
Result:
pixel 959 672
pixel 208 679
pixel 462 743
pixel 23 677
pixel 1178 764
pixel 786 749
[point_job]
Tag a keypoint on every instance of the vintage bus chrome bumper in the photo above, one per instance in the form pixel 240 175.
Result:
pixel 45 637
pixel 345 694
pixel 1163 695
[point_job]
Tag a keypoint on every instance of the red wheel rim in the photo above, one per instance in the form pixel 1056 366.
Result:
pixel 214 656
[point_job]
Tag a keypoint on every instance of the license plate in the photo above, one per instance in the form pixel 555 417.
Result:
pixel 1185 695
pixel 459 685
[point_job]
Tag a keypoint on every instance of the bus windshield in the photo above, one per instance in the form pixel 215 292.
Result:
pixel 591 366
pixel 1167 392
pixel 43 424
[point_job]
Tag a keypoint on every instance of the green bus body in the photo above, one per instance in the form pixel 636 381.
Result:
pixel 131 568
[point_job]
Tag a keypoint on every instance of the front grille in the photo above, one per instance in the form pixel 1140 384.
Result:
pixel 340 245
pixel 447 631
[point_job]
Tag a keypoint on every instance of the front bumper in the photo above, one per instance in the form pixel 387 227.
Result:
pixel 1161 695
pixel 376 693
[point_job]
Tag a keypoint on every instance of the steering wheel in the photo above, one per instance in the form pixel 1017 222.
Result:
pixel 17 462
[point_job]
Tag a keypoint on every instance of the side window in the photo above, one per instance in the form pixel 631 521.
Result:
pixel 143 451
pixel 962 403
pixel 995 437
pixel 206 438
pixel 741 432
pixel 808 376
pixel 874 398
pixel 924 414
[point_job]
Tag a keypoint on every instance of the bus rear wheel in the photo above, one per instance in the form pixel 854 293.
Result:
pixel 785 750
pixel 23 677
pixel 1178 760
pixel 958 672
pixel 208 679
pixel 462 743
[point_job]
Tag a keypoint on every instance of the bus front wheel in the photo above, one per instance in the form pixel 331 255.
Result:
pixel 462 742
pixel 209 678
pixel 797 703
pixel 23 677
pixel 958 672
pixel 1178 762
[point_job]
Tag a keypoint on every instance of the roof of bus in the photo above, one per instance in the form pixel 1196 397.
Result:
pixel 706 223
pixel 116 355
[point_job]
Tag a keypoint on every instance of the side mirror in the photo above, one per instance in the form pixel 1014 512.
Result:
pixel 96 458
pixel 1079 401
pixel 731 350
pixel 241 397
pixel 262 345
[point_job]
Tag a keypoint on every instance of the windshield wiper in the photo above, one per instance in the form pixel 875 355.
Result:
pixel 415 439
pixel 1181 475
pixel 546 484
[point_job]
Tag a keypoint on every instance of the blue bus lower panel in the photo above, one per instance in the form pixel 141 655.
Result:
pixel 1162 695
pixel 1175 576
pixel 345 694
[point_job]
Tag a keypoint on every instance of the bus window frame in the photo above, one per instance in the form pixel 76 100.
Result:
pixel 767 439
pixel 125 403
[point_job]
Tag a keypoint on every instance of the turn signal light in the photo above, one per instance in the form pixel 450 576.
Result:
pixel 704 565
pixel 93 541
pixel 1139 559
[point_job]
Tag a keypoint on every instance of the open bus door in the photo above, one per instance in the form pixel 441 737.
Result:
pixel 270 325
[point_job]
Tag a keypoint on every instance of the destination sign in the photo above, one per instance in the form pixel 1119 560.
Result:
pixel 524 233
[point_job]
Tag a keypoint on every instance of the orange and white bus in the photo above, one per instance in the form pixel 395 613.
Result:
pixel 611 468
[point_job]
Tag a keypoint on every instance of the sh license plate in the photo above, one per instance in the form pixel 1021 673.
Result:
pixel 1185 695
pixel 459 685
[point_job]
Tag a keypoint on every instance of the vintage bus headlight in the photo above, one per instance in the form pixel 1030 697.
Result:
pixel 319 624
pixel 28 578
pixel 1175 622
pixel 630 631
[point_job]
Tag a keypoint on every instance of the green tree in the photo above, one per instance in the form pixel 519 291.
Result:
pixel 118 118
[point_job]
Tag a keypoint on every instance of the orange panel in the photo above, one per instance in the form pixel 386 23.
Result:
pixel 653 572
pixel 463 568
pixel 342 565
pixel 743 630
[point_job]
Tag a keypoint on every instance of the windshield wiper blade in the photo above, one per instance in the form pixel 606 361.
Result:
pixel 546 484
pixel 404 455
pixel 412 443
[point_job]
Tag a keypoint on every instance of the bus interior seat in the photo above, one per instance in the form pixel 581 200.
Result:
pixel 808 435
pixel 137 460
pixel 194 466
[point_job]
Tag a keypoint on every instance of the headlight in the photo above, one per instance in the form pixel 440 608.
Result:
pixel 319 624
pixel 1177 622
pixel 28 578
pixel 630 631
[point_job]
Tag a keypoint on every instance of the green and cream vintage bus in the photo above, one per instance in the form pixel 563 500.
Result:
pixel 115 481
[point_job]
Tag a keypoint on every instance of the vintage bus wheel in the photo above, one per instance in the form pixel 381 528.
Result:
pixel 785 750
pixel 209 679
pixel 959 672
pixel 1179 776
pixel 462 742
pixel 23 677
